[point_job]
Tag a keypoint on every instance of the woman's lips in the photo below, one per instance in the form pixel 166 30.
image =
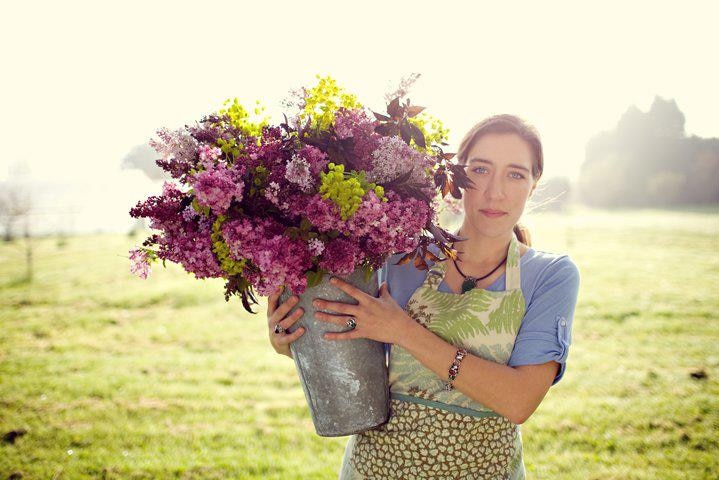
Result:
pixel 492 213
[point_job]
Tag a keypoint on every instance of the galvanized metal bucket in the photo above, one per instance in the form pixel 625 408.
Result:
pixel 345 381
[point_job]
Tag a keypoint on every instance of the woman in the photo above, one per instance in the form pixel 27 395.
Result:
pixel 474 344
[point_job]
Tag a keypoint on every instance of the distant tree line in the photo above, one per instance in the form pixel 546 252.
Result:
pixel 647 160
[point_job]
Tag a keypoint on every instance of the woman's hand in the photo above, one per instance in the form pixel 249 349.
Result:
pixel 278 314
pixel 380 319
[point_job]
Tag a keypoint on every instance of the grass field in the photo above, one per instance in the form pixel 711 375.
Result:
pixel 119 378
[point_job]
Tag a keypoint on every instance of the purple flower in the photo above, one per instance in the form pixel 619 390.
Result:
pixel 215 188
pixel 178 150
pixel 139 263
pixel 277 260
pixel 316 246
pixel 298 172
pixel 315 157
pixel 355 124
pixel 341 256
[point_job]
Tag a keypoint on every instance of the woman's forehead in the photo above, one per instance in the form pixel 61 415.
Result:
pixel 504 148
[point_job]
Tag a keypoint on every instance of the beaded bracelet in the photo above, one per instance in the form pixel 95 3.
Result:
pixel 454 369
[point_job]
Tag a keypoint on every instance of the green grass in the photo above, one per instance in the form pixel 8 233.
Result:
pixel 164 379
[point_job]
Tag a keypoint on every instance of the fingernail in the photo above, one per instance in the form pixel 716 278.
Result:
pixel 333 280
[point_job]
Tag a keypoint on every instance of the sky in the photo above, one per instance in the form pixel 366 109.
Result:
pixel 85 82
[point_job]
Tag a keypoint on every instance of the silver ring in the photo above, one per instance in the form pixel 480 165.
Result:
pixel 351 322
pixel 279 329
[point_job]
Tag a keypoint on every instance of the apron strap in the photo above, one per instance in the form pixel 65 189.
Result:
pixel 512 279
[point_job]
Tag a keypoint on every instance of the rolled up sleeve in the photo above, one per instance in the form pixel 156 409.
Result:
pixel 546 330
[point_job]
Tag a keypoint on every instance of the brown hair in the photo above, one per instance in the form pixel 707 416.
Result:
pixel 506 123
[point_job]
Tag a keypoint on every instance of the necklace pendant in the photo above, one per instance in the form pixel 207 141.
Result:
pixel 468 285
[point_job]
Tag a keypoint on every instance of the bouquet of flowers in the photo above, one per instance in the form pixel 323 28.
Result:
pixel 331 189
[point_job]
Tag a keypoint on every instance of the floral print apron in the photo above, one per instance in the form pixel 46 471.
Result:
pixel 434 433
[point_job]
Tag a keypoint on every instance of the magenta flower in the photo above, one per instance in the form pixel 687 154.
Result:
pixel 261 222
pixel 215 188
pixel 139 263
pixel 341 256
pixel 298 172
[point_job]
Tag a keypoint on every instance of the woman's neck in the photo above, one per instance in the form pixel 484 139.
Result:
pixel 479 251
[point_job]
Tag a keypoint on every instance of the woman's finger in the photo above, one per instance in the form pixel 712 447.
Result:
pixel 350 290
pixel 290 320
pixel 290 337
pixel 336 319
pixel 273 300
pixel 282 310
pixel 339 307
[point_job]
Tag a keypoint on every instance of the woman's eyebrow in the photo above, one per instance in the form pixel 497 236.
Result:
pixel 484 160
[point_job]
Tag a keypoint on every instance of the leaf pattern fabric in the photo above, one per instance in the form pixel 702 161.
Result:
pixel 486 324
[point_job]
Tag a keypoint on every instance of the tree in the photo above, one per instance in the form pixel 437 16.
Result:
pixel 647 160
pixel 15 204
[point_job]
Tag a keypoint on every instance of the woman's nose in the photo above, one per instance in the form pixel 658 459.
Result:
pixel 495 188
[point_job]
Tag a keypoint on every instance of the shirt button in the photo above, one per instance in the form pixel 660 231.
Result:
pixel 563 323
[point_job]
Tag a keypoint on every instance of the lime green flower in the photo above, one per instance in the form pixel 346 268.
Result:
pixel 432 129
pixel 230 147
pixel 222 251
pixel 323 101
pixel 240 117
pixel 346 189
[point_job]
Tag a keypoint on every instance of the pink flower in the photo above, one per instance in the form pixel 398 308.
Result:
pixel 139 263
pixel 208 154
pixel 215 188
pixel 298 172
pixel 316 246
pixel 315 157
pixel 341 256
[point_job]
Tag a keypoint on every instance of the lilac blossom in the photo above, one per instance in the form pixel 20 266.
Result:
pixel 178 150
pixel 298 172
pixel 278 259
pixel 139 263
pixel 316 246
pixel 341 256
pixel 215 188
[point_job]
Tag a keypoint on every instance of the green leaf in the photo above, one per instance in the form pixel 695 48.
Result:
pixel 292 232
pixel 367 272
pixel 314 278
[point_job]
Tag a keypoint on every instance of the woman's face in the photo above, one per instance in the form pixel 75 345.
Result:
pixel 500 164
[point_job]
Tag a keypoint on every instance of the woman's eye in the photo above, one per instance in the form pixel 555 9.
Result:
pixel 477 169
pixel 518 176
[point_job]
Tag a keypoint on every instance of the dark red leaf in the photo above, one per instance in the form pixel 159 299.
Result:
pixel 448 156
pixel 417 135
pixel 446 187
pixel 456 192
pixel 414 110
pixel 419 263
pixel 430 256
pixel 405 132
pixel 381 117
pixel 406 258
pixel 394 109
pixel 386 129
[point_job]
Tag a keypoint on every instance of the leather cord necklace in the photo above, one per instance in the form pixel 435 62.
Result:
pixel 470 282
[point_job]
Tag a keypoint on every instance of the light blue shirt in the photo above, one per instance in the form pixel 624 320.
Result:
pixel 550 284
